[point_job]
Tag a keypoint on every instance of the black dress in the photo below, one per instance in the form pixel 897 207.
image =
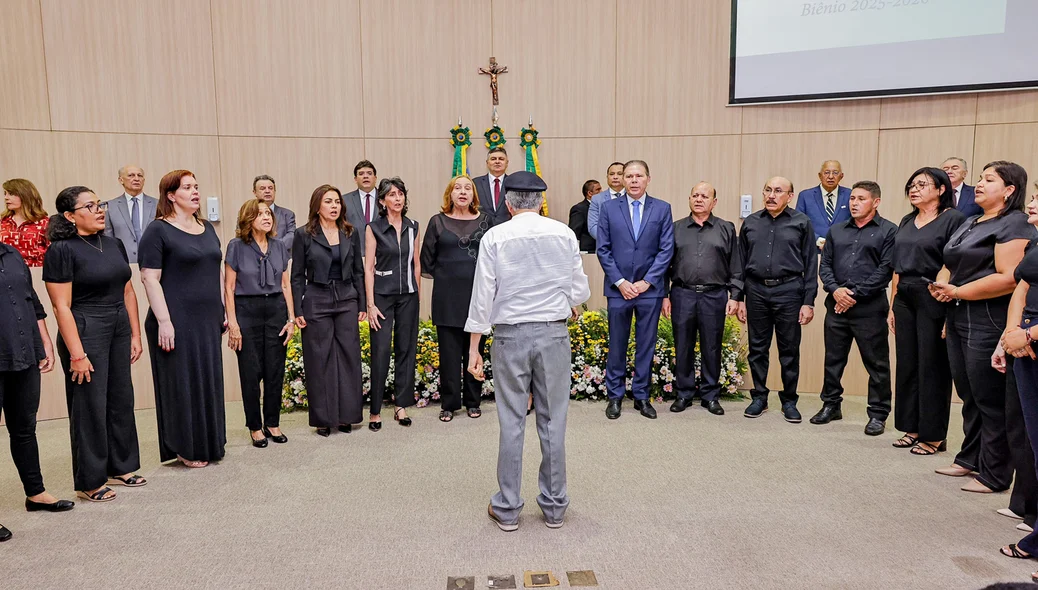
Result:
pixel 189 400
pixel 448 257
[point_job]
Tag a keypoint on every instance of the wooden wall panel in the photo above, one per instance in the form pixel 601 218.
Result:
pixel 23 95
pixel 1007 107
pixel 1016 142
pixel 902 151
pixel 844 115
pixel 672 68
pixel 420 62
pixel 127 66
pixel 570 97
pixel 928 111
pixel 565 165
pixel 288 68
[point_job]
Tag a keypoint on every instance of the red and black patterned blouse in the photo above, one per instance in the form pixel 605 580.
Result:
pixel 29 238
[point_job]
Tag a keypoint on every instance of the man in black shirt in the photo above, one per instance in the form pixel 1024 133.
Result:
pixel 578 216
pixel 706 259
pixel 857 264
pixel 780 268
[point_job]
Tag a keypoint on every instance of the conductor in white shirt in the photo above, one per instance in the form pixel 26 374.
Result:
pixel 130 213
pixel 529 280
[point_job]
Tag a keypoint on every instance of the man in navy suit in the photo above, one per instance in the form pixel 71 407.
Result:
pixel 635 245
pixel 827 203
pixel 265 191
pixel 490 187
pixel 965 196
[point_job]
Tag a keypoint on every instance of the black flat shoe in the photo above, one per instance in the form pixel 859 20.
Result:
pixel 325 431
pixel 405 421
pixel 347 428
pixel 875 427
pixel 375 426
pixel 259 443
pixel 280 439
pixel 5 534
pixel 59 506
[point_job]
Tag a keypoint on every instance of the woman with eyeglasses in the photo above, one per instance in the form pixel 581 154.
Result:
pixel 980 260
pixel 23 224
pixel 88 279
pixel 922 384
pixel 180 260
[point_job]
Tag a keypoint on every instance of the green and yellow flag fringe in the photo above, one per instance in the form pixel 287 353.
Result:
pixel 461 139
pixel 529 142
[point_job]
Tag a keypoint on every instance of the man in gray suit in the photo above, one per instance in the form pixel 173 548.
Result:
pixel 130 213
pixel 615 178
pixel 265 191
pixel 491 187
pixel 362 204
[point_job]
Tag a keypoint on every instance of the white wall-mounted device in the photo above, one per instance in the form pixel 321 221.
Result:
pixel 745 206
pixel 212 209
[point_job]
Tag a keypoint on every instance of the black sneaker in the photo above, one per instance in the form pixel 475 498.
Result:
pixel 756 408
pixel 790 412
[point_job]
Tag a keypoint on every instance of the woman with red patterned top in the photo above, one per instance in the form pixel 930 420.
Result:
pixel 23 224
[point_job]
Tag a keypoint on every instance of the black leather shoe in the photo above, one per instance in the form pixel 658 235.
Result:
pixel 613 409
pixel 347 428
pixel 756 408
pixel 680 404
pixel 59 506
pixel 5 534
pixel 713 406
pixel 324 431
pixel 827 414
pixel 790 413
pixel 259 444
pixel 375 426
pixel 875 427
pixel 643 406
pixel 280 439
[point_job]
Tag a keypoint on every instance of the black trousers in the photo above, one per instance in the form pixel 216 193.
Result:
pixel 262 356
pixel 922 386
pixel 866 324
pixel 974 328
pixel 398 334
pixel 774 310
pixel 1024 498
pixel 1026 372
pixel 457 385
pixel 331 356
pixel 20 400
pixel 698 316
pixel 102 427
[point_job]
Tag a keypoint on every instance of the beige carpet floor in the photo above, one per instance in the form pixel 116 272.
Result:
pixel 688 501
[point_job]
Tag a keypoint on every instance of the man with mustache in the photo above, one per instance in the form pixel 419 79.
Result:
pixel 780 269
pixel 857 264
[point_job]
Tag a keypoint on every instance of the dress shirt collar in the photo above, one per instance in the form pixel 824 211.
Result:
pixel 765 213
pixel 643 200
pixel 130 198
pixel 835 191
pixel 614 194
pixel 708 222
pixel 851 223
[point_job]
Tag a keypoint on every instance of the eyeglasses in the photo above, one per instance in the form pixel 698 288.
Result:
pixel 778 192
pixel 920 185
pixel 93 207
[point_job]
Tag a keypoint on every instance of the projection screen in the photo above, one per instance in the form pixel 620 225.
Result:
pixel 793 50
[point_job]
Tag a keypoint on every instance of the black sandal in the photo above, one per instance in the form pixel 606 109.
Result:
pixel 924 448
pixel 446 415
pixel 905 442
pixel 474 413
pixel 405 421
pixel 1014 552
pixel 98 496
pixel 134 481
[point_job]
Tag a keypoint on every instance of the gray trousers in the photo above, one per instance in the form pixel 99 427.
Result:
pixel 531 357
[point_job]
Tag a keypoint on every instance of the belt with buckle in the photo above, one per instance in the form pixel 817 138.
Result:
pixel 698 288
pixel 777 282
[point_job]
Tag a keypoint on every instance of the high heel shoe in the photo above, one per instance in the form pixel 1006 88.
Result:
pixel 280 439
pixel 324 431
pixel 261 443
pixel 375 426
pixel 405 421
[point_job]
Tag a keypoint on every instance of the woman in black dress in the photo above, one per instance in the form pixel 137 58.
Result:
pixel 328 291
pixel 180 261
pixel 259 297
pixel 25 352
pixel 980 261
pixel 922 385
pixel 449 258
pixel 392 275
pixel 88 279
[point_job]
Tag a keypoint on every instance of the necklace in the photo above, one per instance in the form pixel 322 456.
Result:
pixel 99 247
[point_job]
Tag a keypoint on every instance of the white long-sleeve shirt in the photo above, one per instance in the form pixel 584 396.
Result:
pixel 528 270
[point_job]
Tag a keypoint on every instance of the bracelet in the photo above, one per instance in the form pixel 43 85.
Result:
pixel 955 293
pixel 1027 333
pixel 82 358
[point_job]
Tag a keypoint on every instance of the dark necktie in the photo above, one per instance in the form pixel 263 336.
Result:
pixel 367 208
pixel 497 191
pixel 135 219
pixel 830 207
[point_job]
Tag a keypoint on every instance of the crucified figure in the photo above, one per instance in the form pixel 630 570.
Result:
pixel 493 71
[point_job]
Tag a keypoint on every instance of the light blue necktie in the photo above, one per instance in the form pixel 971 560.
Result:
pixel 636 218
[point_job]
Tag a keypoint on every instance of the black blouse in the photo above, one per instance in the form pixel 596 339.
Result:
pixel 1027 270
pixel 970 254
pixel 97 267
pixel 919 252
pixel 448 256
pixel 394 257
pixel 20 343
pixel 257 273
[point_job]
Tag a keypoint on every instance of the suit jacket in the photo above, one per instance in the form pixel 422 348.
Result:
pixel 118 224
pixel 594 211
pixel 623 257
pixel 578 223
pixel 811 203
pixel 968 201
pixel 285 224
pixel 355 213
pixel 486 200
pixel 312 259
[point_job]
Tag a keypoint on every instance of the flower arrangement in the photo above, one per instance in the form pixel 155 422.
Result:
pixel 589 339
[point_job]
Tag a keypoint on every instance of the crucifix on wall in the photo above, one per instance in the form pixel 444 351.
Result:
pixel 493 72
